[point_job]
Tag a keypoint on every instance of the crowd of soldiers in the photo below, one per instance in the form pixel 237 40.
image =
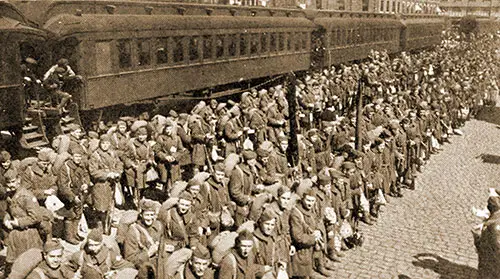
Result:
pixel 218 191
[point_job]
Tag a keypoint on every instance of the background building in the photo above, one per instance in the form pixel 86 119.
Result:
pixel 460 8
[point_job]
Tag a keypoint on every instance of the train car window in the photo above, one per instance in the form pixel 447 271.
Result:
pixel 289 38
pixel 273 43
pixel 193 48
pixel 178 49
pixel 233 45
pixel 124 54
pixel 333 37
pixel 144 52
pixel 207 47
pixel 264 42
pixel 243 44
pixel 254 44
pixel 103 57
pixel 219 46
pixel 281 42
pixel 348 37
pixel 365 5
pixel 387 6
pixel 296 39
pixel 305 37
pixel 341 4
pixel 162 51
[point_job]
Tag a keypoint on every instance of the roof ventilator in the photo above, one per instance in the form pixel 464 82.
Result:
pixel 110 9
pixel 148 10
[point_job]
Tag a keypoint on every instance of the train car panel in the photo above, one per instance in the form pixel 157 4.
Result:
pixel 162 54
pixel 348 39
pixel 15 35
pixel 422 32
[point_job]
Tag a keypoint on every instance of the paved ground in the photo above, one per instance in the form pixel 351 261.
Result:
pixel 426 234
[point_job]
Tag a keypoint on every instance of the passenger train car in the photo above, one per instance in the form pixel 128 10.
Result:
pixel 133 52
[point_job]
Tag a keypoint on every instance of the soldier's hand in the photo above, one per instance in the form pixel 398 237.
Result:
pixel 293 250
pixel 84 187
pixel 153 249
pixel 317 234
pixel 268 268
pixel 109 274
pixel 200 230
pixel 8 224
pixel 49 192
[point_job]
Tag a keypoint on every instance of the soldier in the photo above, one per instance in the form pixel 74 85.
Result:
pixel 169 150
pixel 181 226
pixel 53 84
pixel 73 183
pixel 96 260
pixel 266 166
pixel 6 165
pixel 281 208
pixel 22 219
pixel 138 158
pixel 51 266
pixel 266 245
pixel 307 238
pixel 487 242
pixel 39 179
pixel 120 137
pixel 105 170
pixel 239 263
pixel 200 136
pixel 62 63
pixel 217 196
pixel 242 185
pixel 198 266
pixel 276 122
pixel 233 131
pixel 143 237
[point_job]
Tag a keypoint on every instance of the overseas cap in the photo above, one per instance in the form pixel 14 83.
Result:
pixel 52 245
pixel 5 156
pixel 95 235
pixel 201 252
pixel 149 205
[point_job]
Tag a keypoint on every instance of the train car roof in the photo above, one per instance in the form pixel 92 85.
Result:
pixel 64 25
pixel 11 20
pixel 332 23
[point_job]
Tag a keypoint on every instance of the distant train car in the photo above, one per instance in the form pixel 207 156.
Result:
pixel 421 31
pixel 17 40
pixel 349 36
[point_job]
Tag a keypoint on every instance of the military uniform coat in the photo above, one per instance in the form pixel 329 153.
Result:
pixel 24 207
pixel 101 163
pixel 96 266
pixel 488 248
pixel 37 181
pixel 302 225
pixel 139 239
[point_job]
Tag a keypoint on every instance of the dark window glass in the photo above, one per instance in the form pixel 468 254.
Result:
pixel 304 40
pixel 254 43
pixel 219 46
pixel 281 41
pixel 207 47
pixel 124 53
pixel 297 42
pixel 243 44
pixel 233 40
pixel 289 39
pixel 162 51
pixel 193 48
pixel 178 49
pixel 144 52
pixel 263 42
pixel 272 46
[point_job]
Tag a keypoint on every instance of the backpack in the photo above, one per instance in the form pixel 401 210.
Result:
pixel 26 263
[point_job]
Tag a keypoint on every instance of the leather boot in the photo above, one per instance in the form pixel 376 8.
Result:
pixel 321 269
pixel 71 231
pixel 366 219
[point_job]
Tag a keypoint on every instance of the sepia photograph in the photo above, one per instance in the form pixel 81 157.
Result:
pixel 249 139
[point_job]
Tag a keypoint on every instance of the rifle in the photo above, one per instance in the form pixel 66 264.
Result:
pixel 109 214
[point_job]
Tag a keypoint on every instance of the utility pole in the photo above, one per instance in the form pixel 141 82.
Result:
pixel 359 113
pixel 293 145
